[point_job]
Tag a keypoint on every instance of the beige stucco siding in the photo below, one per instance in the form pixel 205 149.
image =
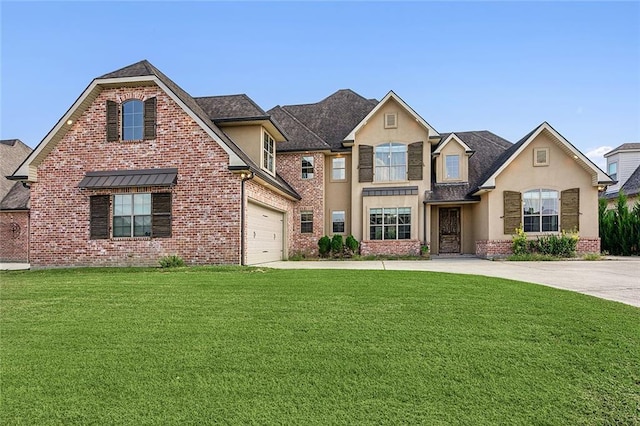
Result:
pixel 374 133
pixel 249 139
pixel 338 194
pixel 452 148
pixel 563 172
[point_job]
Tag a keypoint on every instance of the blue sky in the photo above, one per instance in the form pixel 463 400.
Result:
pixel 499 66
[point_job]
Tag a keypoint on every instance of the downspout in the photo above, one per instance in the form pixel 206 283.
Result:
pixel 244 176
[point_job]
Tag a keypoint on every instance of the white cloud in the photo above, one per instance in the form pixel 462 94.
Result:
pixel 597 155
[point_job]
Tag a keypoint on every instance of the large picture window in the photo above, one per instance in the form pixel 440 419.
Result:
pixel 540 212
pixel 132 215
pixel 390 223
pixel 390 162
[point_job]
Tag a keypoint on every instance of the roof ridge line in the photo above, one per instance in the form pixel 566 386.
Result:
pixel 305 126
pixel 475 132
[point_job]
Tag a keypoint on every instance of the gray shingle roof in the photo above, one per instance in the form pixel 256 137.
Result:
pixel 624 147
pixel 12 154
pixel 144 68
pixel 300 137
pixel 332 118
pixel 632 185
pixel 490 152
pixel 230 107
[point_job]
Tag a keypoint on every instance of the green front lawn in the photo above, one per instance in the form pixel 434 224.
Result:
pixel 252 346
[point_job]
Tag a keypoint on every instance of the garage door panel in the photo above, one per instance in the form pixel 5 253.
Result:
pixel 265 237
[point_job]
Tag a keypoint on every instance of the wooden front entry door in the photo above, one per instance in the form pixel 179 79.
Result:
pixel 450 230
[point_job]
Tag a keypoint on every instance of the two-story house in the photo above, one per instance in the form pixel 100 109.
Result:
pixel 623 166
pixel 138 169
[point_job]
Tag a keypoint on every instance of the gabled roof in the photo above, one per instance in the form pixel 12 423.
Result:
pixel 391 95
pixel 488 180
pixel 142 73
pixel 631 187
pixel 229 107
pixel 16 199
pixel 488 149
pixel 12 154
pixel 445 142
pixel 632 146
pixel 332 118
pixel 300 137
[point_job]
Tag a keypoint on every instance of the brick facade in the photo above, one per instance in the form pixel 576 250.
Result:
pixel 205 204
pixel 390 247
pixel 312 190
pixel 14 236
pixel 502 248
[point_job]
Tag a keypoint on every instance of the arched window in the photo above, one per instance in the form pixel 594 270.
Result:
pixel 540 212
pixel 391 162
pixel 132 120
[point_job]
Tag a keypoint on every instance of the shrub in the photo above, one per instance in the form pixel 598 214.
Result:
pixel 352 244
pixel 619 227
pixel 563 245
pixel 324 246
pixel 520 245
pixel 172 261
pixel 337 245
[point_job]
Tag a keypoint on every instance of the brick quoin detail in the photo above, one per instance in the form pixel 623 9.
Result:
pixel 205 205
pixel 312 192
pixel 390 247
pixel 503 248
pixel 14 236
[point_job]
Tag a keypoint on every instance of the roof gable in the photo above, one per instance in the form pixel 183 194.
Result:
pixel 228 107
pixel 447 140
pixel 632 185
pixel 489 181
pixel 633 146
pixel 391 95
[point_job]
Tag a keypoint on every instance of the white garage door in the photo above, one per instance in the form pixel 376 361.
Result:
pixel 264 234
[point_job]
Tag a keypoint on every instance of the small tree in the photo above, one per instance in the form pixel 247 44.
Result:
pixel 619 227
pixel 324 246
pixel 352 245
pixel 337 245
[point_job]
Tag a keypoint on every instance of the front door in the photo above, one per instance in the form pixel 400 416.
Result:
pixel 450 230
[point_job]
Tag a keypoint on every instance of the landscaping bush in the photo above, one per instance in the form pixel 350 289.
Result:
pixel 352 245
pixel 337 245
pixel 563 245
pixel 520 244
pixel 324 246
pixel 172 261
pixel 619 227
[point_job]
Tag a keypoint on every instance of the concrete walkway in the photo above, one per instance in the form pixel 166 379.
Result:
pixel 616 278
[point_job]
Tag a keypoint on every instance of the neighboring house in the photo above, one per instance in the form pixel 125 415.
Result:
pixel 623 165
pixel 138 169
pixel 14 204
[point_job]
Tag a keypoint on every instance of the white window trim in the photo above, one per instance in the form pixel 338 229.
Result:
pixel 311 160
pixel 395 120
pixel 613 176
pixel 445 174
pixel 558 214
pixel 302 213
pixel 344 215
pixel 406 163
pixel 263 153
pixel 122 121
pixel 411 221
pixel 342 168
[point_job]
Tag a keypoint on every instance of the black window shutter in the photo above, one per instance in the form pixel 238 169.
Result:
pixel 365 163
pixel 112 121
pixel 570 209
pixel 150 118
pixel 99 217
pixel 415 161
pixel 512 211
pixel 161 215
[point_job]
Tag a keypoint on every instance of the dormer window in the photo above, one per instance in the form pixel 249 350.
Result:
pixel 452 167
pixel 613 171
pixel 268 152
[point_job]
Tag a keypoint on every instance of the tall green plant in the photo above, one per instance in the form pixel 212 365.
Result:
pixel 619 227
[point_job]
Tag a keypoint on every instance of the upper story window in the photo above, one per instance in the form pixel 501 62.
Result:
pixel 390 162
pixel 132 120
pixel 307 167
pixel 452 167
pixel 338 168
pixel 613 171
pixel 268 152
pixel 540 212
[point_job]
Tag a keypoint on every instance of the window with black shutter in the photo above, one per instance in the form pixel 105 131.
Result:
pixel 112 121
pixel 138 120
pixel 150 118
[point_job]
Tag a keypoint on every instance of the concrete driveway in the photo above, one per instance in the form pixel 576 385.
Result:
pixel 616 278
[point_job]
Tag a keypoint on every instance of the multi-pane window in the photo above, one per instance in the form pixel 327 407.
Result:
pixel 132 215
pixel 540 212
pixel 132 120
pixel 613 171
pixel 391 162
pixel 390 223
pixel 306 222
pixel 307 167
pixel 338 168
pixel 268 152
pixel 337 222
pixel 452 167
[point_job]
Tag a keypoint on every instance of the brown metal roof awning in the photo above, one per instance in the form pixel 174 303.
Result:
pixel 129 178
